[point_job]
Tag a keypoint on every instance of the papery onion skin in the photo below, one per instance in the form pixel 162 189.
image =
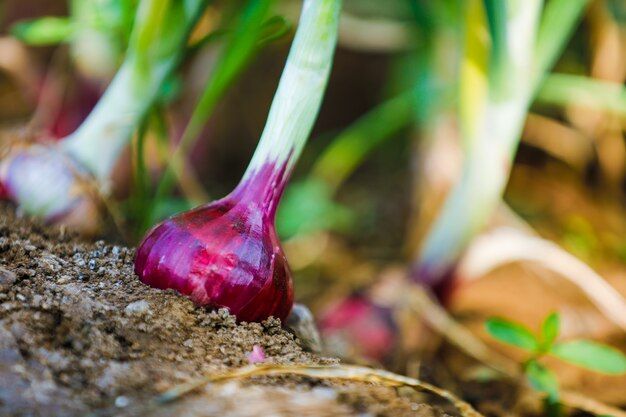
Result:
pixel 359 327
pixel 224 254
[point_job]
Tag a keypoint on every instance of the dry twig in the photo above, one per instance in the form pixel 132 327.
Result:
pixel 344 372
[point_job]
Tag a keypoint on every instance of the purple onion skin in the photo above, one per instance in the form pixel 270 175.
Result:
pixel 441 283
pixel 368 328
pixel 44 181
pixel 4 193
pixel 225 254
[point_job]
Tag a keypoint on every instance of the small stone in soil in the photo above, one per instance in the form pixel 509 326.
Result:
pixel 7 278
pixel 138 308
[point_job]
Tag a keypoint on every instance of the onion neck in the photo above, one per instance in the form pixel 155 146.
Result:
pixel 295 105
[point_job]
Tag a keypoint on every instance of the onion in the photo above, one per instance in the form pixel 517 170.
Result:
pixel 57 180
pixel 224 254
pixel 495 95
pixel 227 253
pixel 357 326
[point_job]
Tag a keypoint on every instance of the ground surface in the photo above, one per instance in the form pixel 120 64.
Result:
pixel 80 335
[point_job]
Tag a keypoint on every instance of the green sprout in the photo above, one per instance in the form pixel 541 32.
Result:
pixel 98 32
pixel 580 352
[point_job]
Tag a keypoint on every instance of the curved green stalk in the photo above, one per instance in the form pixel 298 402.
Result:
pixel 352 145
pixel 496 131
pixel 559 20
pixel 565 89
pixel 491 136
pixel 496 11
pixel 300 90
pixel 309 204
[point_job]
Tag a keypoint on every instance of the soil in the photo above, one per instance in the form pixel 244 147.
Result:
pixel 80 335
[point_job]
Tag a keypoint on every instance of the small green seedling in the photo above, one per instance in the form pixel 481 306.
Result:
pixel 584 353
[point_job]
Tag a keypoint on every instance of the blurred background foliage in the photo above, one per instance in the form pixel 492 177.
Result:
pixel 386 149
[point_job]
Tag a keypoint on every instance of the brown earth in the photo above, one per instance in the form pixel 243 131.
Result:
pixel 80 335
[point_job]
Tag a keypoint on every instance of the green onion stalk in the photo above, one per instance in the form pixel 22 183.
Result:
pixel 64 182
pixel 252 29
pixel 498 82
pixel 100 31
pixel 96 31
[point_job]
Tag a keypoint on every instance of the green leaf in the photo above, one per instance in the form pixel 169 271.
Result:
pixel 558 20
pixel 542 379
pixel 240 46
pixel 274 28
pixel 591 355
pixel 550 330
pixel 308 207
pixel 167 207
pixel 567 89
pixel 354 144
pixel 512 333
pixel 496 11
pixel 618 9
pixel 44 31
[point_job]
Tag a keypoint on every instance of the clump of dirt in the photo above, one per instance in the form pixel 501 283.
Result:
pixel 80 335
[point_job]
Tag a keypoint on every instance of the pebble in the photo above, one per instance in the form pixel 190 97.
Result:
pixel 64 279
pixel 37 300
pixel 93 264
pixel 121 401
pixel 325 393
pixel 138 308
pixel 7 279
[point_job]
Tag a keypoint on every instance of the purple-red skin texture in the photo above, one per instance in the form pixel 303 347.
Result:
pixel 76 105
pixel 226 253
pixel 358 320
pixel 442 284
pixel 4 193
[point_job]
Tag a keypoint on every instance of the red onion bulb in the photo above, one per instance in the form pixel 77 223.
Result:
pixel 227 253
pixel 223 254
